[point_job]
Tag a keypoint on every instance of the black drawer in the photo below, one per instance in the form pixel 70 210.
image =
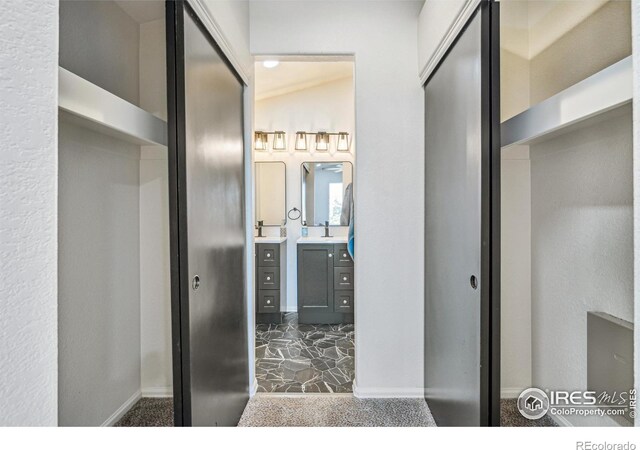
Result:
pixel 268 255
pixel 343 301
pixel 342 258
pixel 343 278
pixel 269 278
pixel 268 301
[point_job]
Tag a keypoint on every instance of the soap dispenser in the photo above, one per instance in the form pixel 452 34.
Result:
pixel 305 229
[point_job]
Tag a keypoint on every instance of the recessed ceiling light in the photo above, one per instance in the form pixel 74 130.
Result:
pixel 270 64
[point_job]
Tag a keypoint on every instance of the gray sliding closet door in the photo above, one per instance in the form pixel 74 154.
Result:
pixel 457 232
pixel 212 345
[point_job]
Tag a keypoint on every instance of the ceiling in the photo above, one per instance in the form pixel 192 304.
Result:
pixel 291 76
pixel 143 10
pixel 530 27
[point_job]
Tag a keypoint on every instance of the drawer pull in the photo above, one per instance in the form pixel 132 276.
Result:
pixel 268 278
pixel 344 301
pixel 268 302
pixel 344 278
pixel 344 255
pixel 268 255
pixel 330 255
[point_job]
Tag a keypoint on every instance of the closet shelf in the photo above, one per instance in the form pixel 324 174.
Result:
pixel 99 109
pixel 603 95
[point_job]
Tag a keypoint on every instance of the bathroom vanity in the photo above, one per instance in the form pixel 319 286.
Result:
pixel 325 281
pixel 271 279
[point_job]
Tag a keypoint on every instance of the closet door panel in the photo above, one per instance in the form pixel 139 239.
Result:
pixel 458 125
pixel 213 347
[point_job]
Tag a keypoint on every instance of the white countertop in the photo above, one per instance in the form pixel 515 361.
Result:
pixel 270 240
pixel 322 240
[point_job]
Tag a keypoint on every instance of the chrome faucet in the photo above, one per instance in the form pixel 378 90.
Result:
pixel 326 229
pixel 259 227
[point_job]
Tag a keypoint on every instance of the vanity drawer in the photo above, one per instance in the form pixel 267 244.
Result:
pixel 343 301
pixel 342 257
pixel 269 278
pixel 268 301
pixel 268 255
pixel 343 278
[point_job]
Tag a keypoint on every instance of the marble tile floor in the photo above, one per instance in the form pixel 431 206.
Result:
pixel 301 358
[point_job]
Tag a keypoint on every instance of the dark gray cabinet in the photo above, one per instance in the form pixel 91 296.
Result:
pixel 325 284
pixel 271 283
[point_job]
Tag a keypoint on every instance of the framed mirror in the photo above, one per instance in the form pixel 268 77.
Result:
pixel 327 193
pixel 271 193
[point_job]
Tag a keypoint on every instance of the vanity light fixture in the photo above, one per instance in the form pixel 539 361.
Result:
pixel 301 141
pixel 343 142
pixel 279 141
pixel 322 141
pixel 260 141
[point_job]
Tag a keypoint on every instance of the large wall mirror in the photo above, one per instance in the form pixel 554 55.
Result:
pixel 327 193
pixel 271 193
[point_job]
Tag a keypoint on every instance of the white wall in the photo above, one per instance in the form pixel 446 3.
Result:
pixel 28 214
pixel 99 239
pixel 389 172
pixel 515 285
pixel 582 246
pixel 99 287
pixel 155 276
pixel 635 14
pixel 328 107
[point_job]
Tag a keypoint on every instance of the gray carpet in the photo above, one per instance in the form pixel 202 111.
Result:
pixel 149 412
pixel 334 411
pixel 511 417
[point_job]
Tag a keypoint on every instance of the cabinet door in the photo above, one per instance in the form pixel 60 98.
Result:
pixel 315 278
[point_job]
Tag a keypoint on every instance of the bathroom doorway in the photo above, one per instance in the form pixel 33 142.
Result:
pixel 303 166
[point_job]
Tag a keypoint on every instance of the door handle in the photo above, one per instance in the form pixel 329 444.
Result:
pixel 195 283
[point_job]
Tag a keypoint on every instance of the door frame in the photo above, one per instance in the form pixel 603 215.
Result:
pixel 489 11
pixel 491 267
pixel 176 122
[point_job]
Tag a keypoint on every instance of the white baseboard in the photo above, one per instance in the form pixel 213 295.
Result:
pixel 126 406
pixel 511 392
pixel 158 392
pixel 387 392
pixel 253 388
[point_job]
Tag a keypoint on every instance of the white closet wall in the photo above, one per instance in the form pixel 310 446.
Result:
pixel 114 297
pixel 582 210
pixel 578 243
pixel 515 358
pixel 99 294
pixel 155 277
